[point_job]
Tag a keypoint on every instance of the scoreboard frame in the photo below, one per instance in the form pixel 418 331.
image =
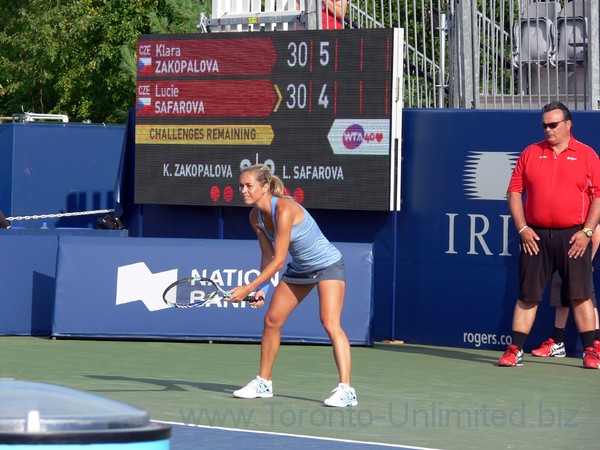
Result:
pixel 322 108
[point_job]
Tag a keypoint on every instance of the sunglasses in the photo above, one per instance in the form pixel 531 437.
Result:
pixel 552 125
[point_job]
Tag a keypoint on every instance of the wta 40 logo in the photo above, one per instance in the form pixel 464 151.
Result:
pixel 360 137
pixel 355 135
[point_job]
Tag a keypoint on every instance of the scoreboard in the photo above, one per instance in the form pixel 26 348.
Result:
pixel 321 108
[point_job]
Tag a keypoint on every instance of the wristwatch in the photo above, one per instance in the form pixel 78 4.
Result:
pixel 588 232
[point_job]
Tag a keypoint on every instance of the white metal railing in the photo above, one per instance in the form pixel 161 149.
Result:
pixel 488 54
pixel 534 52
pixel 37 117
pixel 256 15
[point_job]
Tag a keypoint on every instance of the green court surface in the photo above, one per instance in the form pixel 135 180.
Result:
pixel 411 395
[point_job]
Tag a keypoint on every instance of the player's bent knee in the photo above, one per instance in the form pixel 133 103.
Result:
pixel 332 327
pixel 272 323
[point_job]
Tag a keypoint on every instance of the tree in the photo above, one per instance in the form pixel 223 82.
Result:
pixel 78 57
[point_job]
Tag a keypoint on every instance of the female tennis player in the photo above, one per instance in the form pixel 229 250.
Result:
pixel 283 226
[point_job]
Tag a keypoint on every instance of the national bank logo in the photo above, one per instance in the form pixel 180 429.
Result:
pixel 487 174
pixel 135 282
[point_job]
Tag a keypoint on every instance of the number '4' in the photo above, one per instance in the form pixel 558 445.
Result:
pixel 323 99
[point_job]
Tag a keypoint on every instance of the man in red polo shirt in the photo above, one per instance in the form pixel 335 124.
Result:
pixel 554 201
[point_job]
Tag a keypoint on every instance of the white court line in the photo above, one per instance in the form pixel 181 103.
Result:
pixel 300 436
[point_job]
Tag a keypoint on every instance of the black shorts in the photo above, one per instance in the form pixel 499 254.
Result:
pixel 558 296
pixel 535 270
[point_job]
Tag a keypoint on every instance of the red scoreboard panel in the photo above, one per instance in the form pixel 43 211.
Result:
pixel 321 108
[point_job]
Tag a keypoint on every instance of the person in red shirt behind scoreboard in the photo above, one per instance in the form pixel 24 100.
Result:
pixel 333 13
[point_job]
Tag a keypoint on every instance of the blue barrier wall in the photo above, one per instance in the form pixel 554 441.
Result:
pixel 28 277
pixel 445 266
pixel 28 283
pixel 457 250
pixel 49 168
pixel 134 272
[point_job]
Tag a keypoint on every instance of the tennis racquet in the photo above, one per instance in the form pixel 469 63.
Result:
pixel 194 292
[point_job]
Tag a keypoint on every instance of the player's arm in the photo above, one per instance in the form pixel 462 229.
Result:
pixel 273 256
pixel 286 214
pixel 266 254
pixel 266 247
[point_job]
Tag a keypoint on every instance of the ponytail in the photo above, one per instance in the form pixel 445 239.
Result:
pixel 276 187
pixel 263 175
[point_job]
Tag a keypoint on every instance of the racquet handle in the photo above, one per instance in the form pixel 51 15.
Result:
pixel 251 299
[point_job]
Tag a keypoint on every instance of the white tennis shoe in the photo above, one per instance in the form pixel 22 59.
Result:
pixel 257 388
pixel 342 396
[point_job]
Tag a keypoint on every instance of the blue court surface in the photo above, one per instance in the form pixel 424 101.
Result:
pixel 198 437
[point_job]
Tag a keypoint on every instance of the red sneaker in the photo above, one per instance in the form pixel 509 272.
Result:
pixel 550 348
pixel 512 357
pixel 591 356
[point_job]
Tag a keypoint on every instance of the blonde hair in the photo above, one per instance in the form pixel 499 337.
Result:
pixel 262 174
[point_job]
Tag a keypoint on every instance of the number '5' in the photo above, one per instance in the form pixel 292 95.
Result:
pixel 324 53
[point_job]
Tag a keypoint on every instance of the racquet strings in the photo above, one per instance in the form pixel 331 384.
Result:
pixel 190 293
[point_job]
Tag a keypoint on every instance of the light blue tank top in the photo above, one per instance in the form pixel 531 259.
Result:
pixel 309 248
